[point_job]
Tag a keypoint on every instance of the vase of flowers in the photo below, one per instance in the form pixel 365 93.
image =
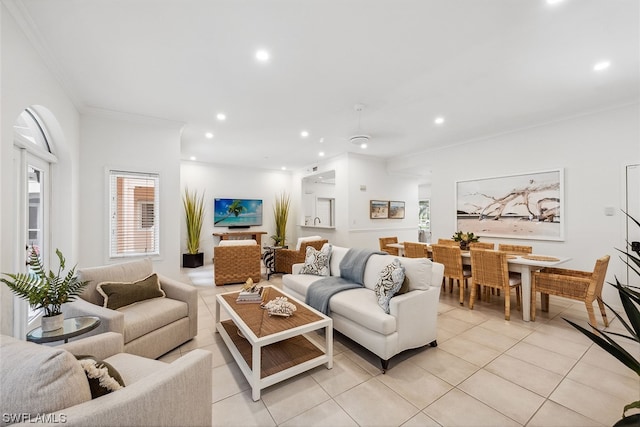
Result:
pixel 464 239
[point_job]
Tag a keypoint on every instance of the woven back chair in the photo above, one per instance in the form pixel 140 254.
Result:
pixel 236 263
pixel 515 249
pixel 285 258
pixel 384 241
pixel 448 242
pixel 415 250
pixel 482 245
pixel 489 269
pixel 451 257
pixel 578 285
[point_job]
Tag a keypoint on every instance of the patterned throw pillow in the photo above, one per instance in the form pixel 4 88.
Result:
pixel 391 278
pixel 317 261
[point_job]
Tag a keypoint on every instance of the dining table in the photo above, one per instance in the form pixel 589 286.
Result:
pixel 524 264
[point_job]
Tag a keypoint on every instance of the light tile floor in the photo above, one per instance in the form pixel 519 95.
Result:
pixel 485 372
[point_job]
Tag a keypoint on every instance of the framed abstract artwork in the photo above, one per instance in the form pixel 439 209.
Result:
pixel 378 209
pixel 524 206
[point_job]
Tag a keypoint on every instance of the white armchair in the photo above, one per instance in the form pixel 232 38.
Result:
pixel 151 327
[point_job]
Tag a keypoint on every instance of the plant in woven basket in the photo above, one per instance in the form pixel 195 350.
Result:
pixel 630 298
pixel 45 290
pixel 281 215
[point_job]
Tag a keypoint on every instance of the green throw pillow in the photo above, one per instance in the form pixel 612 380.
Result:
pixel 120 294
pixel 103 378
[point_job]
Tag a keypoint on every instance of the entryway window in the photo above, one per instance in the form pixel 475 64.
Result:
pixel 133 214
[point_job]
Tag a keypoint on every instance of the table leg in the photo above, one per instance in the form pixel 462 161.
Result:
pixel 217 317
pixel 525 277
pixel 328 334
pixel 255 372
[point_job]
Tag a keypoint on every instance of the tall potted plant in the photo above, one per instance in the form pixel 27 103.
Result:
pixel 194 215
pixel 630 298
pixel 281 215
pixel 44 290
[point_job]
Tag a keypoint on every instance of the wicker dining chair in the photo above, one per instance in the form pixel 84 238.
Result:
pixel 234 261
pixel 489 269
pixel 482 245
pixel 448 242
pixel 415 250
pixel 515 249
pixel 384 241
pixel 451 257
pixel 578 285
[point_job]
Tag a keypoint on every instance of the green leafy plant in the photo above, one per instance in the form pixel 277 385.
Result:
pixel 281 215
pixel 460 236
pixel 630 298
pixel 42 290
pixel 194 214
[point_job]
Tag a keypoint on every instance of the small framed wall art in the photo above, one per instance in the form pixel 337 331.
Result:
pixel 396 210
pixel 378 209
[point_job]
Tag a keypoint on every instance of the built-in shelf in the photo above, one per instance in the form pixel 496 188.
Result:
pixel 326 227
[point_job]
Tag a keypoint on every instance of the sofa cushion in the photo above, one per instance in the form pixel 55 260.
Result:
pixel 299 282
pixel 337 254
pixel 361 306
pixel 133 368
pixel 123 272
pixel 316 262
pixel 120 294
pixel 390 280
pixel 417 272
pixel 375 265
pixel 38 379
pixel 103 378
pixel 238 242
pixel 306 239
pixel 146 316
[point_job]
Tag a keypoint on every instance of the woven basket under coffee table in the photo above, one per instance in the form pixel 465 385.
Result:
pixel 269 349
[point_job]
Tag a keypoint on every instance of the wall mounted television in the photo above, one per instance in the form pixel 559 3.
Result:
pixel 237 213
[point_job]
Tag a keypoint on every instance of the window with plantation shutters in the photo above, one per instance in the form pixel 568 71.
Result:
pixel 133 214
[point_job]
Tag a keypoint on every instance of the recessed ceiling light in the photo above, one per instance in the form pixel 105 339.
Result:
pixel 439 120
pixel 192 158
pixel 208 135
pixel 262 55
pixel 284 168
pixel 602 65
pixel 554 1
pixel 221 116
pixel 321 154
pixel 363 145
pixel 304 134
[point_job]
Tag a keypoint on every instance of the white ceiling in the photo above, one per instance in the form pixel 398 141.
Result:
pixel 487 66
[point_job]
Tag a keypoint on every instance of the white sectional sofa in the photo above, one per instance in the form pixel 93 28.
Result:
pixel 412 317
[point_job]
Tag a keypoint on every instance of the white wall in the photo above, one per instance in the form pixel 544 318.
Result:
pixel 25 80
pixel 592 150
pixel 135 144
pixel 220 181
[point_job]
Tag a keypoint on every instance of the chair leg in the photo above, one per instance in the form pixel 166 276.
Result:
pixel 544 301
pixel 461 286
pixel 472 296
pixel 518 298
pixel 533 305
pixel 592 314
pixel 507 305
pixel 602 312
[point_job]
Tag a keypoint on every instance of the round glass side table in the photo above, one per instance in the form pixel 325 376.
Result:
pixel 72 327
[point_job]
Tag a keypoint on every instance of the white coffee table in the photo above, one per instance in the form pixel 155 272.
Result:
pixel 270 349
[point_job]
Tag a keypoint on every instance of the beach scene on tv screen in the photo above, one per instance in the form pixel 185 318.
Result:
pixel 232 212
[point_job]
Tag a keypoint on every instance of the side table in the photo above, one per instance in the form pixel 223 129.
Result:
pixel 269 258
pixel 72 327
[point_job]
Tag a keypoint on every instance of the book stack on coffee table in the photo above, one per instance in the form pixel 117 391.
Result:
pixel 254 295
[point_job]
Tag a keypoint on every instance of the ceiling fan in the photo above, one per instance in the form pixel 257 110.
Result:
pixel 360 139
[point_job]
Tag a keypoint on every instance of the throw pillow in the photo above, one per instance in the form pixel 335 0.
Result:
pixel 120 294
pixel 317 261
pixel 103 378
pixel 390 280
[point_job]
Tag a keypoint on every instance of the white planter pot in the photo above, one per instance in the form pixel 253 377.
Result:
pixel 52 323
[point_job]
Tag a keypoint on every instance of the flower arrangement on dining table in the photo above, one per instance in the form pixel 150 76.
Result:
pixel 464 238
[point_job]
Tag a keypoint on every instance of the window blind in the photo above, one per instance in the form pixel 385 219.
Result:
pixel 133 214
